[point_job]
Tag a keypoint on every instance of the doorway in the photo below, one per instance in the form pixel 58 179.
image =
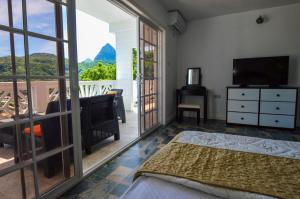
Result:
pixel 107 38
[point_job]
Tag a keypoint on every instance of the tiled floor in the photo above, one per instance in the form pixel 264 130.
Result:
pixel 128 133
pixel 112 180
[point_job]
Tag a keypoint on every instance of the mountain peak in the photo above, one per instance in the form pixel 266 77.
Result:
pixel 107 54
pixel 88 60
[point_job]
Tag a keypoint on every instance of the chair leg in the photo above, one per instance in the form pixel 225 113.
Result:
pixel 88 150
pixel 198 117
pixel 117 131
pixel 180 115
pixel 1 145
pixel 123 116
pixel 117 136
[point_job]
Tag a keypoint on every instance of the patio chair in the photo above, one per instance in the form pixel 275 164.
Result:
pixel 99 121
pixel 51 131
pixel 119 104
pixel 7 136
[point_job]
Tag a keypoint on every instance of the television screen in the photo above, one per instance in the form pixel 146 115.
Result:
pixel 261 71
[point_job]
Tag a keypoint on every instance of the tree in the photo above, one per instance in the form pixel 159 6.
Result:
pixel 101 71
pixel 134 63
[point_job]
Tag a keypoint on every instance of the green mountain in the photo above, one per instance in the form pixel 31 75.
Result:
pixel 107 54
pixel 40 64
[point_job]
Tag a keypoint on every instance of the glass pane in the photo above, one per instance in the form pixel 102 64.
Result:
pixel 152 82
pixel 141 30
pixel 7 108
pixel 55 169
pixel 5 55
pixel 154 37
pixel 147 121
pixel 56 132
pixel 41 17
pixel 11 184
pixel 155 54
pixel 155 68
pixel 65 22
pixel 7 149
pixel 149 51
pixel 20 54
pixel 22 97
pixel 67 68
pixel 3 13
pixel 141 49
pixel 155 117
pixel 15 145
pixel 17 14
pixel 146 89
pixel 42 93
pixel 147 32
pixel 43 59
pixel 147 104
pixel 153 102
pixel 149 70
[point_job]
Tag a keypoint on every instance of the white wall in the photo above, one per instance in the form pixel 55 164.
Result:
pixel 126 39
pixel 213 43
pixel 156 12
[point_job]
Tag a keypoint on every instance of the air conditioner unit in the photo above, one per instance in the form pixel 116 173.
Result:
pixel 176 21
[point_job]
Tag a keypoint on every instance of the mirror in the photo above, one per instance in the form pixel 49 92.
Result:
pixel 193 76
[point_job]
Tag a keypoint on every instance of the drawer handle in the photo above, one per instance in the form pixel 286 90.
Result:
pixel 242 118
pixel 242 106
pixel 278 95
pixel 277 108
pixel 243 94
pixel 276 121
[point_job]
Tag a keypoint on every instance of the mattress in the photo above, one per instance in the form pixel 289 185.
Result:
pixel 167 187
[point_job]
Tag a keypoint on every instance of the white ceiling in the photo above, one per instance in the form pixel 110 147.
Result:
pixel 199 9
pixel 103 10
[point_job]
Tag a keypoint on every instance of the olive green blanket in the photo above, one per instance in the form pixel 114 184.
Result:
pixel 262 174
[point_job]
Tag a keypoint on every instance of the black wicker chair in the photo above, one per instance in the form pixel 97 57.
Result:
pixel 51 130
pixel 120 104
pixel 99 121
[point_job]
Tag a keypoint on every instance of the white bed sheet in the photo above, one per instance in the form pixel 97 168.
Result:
pixel 142 187
pixel 153 188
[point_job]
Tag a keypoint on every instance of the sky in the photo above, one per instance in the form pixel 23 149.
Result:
pixel 92 33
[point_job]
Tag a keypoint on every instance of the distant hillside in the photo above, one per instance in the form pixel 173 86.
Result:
pixel 106 55
pixel 85 65
pixel 40 64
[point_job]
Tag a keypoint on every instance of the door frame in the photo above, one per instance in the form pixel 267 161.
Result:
pixel 158 79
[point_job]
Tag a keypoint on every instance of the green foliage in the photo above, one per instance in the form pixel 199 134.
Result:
pixel 46 64
pixel 134 63
pixel 101 71
pixel 40 64
pixel 104 71
pixel 83 66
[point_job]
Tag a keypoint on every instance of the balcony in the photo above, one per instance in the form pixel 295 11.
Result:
pixel 44 92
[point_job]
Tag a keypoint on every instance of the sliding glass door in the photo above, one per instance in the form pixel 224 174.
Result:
pixel 36 103
pixel 149 76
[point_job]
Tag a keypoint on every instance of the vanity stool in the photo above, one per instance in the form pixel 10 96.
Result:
pixel 188 107
pixel 181 106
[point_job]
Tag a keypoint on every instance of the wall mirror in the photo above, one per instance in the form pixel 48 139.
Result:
pixel 193 76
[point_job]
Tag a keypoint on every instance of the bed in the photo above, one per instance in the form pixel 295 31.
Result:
pixel 152 181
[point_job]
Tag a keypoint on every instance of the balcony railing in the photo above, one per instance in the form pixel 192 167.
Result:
pixel 45 91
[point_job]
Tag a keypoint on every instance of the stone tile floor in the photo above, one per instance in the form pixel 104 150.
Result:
pixel 112 179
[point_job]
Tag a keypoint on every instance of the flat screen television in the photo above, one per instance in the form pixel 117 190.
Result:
pixel 271 71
